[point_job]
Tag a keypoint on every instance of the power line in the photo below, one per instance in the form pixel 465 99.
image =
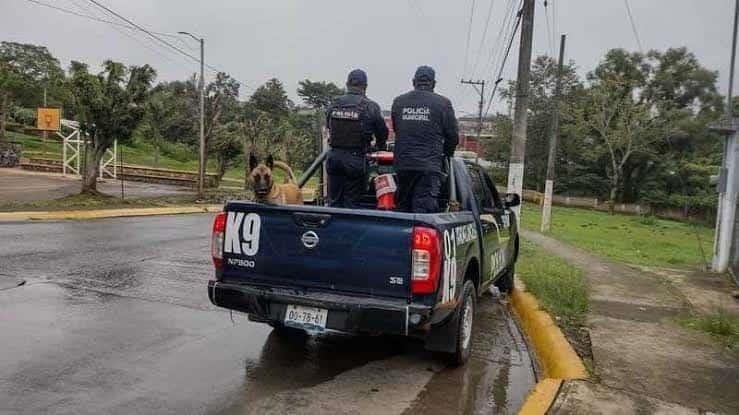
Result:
pixel 168 56
pixel 148 32
pixel 505 58
pixel 160 40
pixel 555 28
pixel 484 36
pixel 469 34
pixel 502 34
pixel 550 45
pixel 97 19
pixel 633 26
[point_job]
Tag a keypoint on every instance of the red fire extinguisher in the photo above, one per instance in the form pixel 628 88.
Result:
pixel 385 191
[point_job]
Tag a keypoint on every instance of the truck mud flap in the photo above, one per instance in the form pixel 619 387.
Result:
pixel 442 337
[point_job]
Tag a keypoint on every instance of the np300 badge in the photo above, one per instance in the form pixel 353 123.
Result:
pixel 309 240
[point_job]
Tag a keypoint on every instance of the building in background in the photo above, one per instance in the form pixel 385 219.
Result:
pixel 467 133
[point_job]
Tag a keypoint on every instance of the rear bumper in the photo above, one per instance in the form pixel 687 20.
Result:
pixel 346 313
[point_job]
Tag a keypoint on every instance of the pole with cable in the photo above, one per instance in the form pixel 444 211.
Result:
pixel 728 180
pixel 481 103
pixel 201 86
pixel 546 212
pixel 520 115
pixel 201 177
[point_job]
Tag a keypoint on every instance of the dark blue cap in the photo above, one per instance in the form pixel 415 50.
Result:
pixel 357 77
pixel 424 74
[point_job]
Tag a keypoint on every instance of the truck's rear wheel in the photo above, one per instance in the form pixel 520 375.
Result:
pixel 465 325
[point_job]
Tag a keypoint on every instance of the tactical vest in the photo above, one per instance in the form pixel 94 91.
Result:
pixel 345 124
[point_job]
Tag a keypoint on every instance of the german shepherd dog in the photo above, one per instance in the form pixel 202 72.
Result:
pixel 266 190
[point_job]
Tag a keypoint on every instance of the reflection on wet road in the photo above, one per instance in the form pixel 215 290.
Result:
pixel 114 318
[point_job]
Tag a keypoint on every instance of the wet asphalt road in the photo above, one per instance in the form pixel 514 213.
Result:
pixel 114 318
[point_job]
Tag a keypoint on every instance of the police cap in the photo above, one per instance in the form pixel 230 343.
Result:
pixel 357 77
pixel 424 74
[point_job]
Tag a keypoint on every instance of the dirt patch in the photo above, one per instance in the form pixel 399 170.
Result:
pixel 579 338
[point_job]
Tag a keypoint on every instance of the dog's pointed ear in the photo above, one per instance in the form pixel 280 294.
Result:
pixel 270 162
pixel 253 161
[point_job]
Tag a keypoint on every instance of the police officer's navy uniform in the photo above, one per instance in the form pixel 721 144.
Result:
pixel 352 120
pixel 425 132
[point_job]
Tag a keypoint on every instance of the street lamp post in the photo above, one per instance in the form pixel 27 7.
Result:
pixel 201 164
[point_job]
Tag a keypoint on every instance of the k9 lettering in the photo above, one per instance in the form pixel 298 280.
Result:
pixel 250 225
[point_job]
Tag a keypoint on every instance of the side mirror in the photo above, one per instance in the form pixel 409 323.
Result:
pixel 512 199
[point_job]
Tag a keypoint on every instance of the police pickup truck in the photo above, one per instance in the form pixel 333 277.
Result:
pixel 370 271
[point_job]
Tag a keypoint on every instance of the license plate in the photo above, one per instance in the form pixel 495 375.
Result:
pixel 309 318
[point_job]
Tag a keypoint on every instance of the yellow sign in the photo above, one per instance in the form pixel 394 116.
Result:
pixel 48 119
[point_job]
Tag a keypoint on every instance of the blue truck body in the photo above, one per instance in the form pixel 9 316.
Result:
pixel 357 264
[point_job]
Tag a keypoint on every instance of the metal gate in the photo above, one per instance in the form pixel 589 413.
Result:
pixel 73 144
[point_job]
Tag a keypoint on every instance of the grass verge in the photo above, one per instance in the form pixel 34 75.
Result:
pixel 561 289
pixel 719 325
pixel 636 240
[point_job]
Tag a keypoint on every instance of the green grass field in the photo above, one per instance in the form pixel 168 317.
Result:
pixel 631 239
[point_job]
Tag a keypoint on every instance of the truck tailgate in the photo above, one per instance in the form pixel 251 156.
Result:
pixel 363 252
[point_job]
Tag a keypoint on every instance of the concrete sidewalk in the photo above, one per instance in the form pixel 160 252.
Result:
pixel 25 186
pixel 643 361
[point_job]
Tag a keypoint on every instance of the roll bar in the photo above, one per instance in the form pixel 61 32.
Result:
pixel 312 169
pixel 453 204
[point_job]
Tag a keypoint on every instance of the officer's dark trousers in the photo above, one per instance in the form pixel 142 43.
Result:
pixel 347 177
pixel 418 191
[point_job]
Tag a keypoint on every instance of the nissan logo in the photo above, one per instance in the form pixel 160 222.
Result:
pixel 309 239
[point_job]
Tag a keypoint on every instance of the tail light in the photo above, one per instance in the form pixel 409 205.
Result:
pixel 426 262
pixel 216 242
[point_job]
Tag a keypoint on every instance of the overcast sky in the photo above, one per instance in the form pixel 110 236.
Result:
pixel 324 39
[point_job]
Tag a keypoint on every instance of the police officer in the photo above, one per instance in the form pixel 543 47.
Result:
pixel 352 120
pixel 425 132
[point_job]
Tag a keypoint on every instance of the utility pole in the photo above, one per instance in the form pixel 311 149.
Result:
pixel 728 180
pixel 518 144
pixel 46 134
pixel 480 92
pixel 202 161
pixel 546 213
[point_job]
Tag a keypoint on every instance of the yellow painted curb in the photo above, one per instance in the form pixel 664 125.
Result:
pixel 556 356
pixel 106 213
pixel 541 398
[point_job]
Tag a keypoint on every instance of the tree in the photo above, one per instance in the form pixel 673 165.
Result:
pixel 543 80
pixel 24 71
pixel 173 111
pixel 318 94
pixel 265 121
pixel 272 99
pixel 158 116
pixel 617 127
pixel 221 107
pixel 109 106
pixel 226 144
